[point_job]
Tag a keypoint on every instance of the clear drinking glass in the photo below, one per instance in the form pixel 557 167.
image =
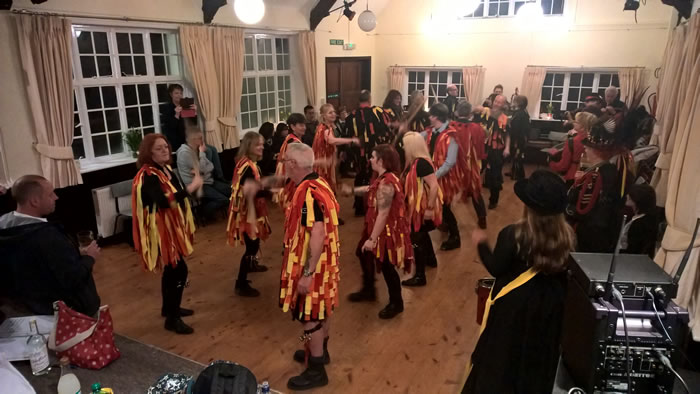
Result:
pixel 85 238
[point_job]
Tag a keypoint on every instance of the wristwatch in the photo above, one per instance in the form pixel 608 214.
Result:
pixel 307 273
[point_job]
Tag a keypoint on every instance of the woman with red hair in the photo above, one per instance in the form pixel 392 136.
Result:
pixel 163 225
pixel 385 244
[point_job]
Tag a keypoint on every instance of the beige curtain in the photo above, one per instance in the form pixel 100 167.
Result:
pixel 533 78
pixel 397 78
pixel 672 83
pixel 683 199
pixel 307 52
pixel 44 43
pixel 473 79
pixel 631 83
pixel 198 51
pixel 228 59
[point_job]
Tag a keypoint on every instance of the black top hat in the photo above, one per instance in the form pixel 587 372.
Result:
pixel 544 192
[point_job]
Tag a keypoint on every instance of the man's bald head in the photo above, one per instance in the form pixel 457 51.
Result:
pixel 452 90
pixel 34 195
pixel 499 102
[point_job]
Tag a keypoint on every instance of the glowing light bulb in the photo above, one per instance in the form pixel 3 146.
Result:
pixel 249 12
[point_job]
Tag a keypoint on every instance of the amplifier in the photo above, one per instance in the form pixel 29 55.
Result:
pixel 593 336
pixel 633 276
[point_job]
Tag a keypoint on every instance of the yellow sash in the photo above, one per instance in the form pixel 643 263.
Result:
pixel 514 284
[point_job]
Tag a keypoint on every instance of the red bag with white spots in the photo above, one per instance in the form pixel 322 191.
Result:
pixel 86 341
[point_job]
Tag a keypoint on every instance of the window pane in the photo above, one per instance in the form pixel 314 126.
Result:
pixel 244 104
pixel 557 7
pixel 443 77
pixel 503 11
pixel 148 130
pixel 572 106
pixel 163 95
pixel 125 65
pixel 249 45
pixel 493 9
pixel 548 79
pixel 87 65
pixel 588 79
pixel 559 79
pixel 173 65
pixel 130 95
pixel 84 41
pixel 123 43
pixel 604 80
pixel 156 43
pixel 113 122
pixel 546 93
pixel 116 143
pixel 99 145
pixel 140 65
pixel 249 63
pixel 574 94
pixel 92 98
pixel 97 123
pixel 547 7
pixel 132 118
pixel 137 43
pixel 575 79
pixel 615 81
pixel 147 116
pixel 585 92
pixel 101 44
pixel 77 132
pixel 78 148
pixel 104 66
pixel 109 96
pixel 144 94
pixel 252 103
pixel 245 119
pixel 159 65
pixel 557 93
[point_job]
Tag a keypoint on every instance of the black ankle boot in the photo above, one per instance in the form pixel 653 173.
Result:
pixel 417 280
pixel 300 355
pixel 313 376
pixel 178 326
pixel 366 294
pixel 390 311
pixel 244 289
pixel 451 243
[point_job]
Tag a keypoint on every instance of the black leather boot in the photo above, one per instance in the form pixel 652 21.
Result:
pixel 313 376
pixel 178 326
pixel 390 311
pixel 244 289
pixel 254 265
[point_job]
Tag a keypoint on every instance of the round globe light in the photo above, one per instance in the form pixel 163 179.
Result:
pixel 530 11
pixel 249 12
pixel 367 21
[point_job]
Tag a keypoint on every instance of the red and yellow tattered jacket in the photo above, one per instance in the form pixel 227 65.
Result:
pixel 470 137
pixel 238 208
pixel 284 197
pixel 323 296
pixel 324 153
pixel 394 240
pixel 454 181
pixel 417 198
pixel 161 236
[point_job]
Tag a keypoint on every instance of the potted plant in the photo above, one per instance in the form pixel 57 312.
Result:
pixel 133 138
pixel 550 109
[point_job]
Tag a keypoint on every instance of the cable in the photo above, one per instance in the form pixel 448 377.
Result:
pixel 668 365
pixel 658 317
pixel 616 293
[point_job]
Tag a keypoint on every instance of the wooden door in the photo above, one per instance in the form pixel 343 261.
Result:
pixel 345 79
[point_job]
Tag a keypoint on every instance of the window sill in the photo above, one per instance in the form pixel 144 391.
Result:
pixel 100 164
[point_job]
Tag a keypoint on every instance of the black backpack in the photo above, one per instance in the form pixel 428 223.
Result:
pixel 224 377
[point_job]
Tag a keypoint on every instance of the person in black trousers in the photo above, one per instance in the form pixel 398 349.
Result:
pixel 519 130
pixel 518 348
pixel 153 200
pixel 639 234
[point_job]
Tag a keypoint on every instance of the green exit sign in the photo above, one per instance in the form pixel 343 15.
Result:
pixel 337 42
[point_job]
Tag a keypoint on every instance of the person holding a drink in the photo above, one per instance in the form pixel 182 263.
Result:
pixel 40 261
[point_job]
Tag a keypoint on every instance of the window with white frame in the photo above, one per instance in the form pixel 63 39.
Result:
pixel 433 84
pixel 267 85
pixel 567 90
pixel 120 78
pixel 497 8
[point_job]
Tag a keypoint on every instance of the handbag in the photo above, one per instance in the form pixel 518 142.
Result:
pixel 86 341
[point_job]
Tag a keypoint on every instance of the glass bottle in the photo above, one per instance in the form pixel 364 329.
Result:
pixel 38 353
pixel 69 383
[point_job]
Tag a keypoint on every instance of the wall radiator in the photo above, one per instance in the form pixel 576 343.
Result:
pixel 106 210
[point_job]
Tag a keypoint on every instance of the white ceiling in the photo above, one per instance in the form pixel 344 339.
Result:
pixel 306 5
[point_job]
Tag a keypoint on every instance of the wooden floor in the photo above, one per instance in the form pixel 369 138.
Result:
pixel 423 350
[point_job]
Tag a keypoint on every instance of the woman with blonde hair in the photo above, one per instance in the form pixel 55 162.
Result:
pixel 423 203
pixel 247 214
pixel 518 347
pixel 324 145
pixel 573 149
